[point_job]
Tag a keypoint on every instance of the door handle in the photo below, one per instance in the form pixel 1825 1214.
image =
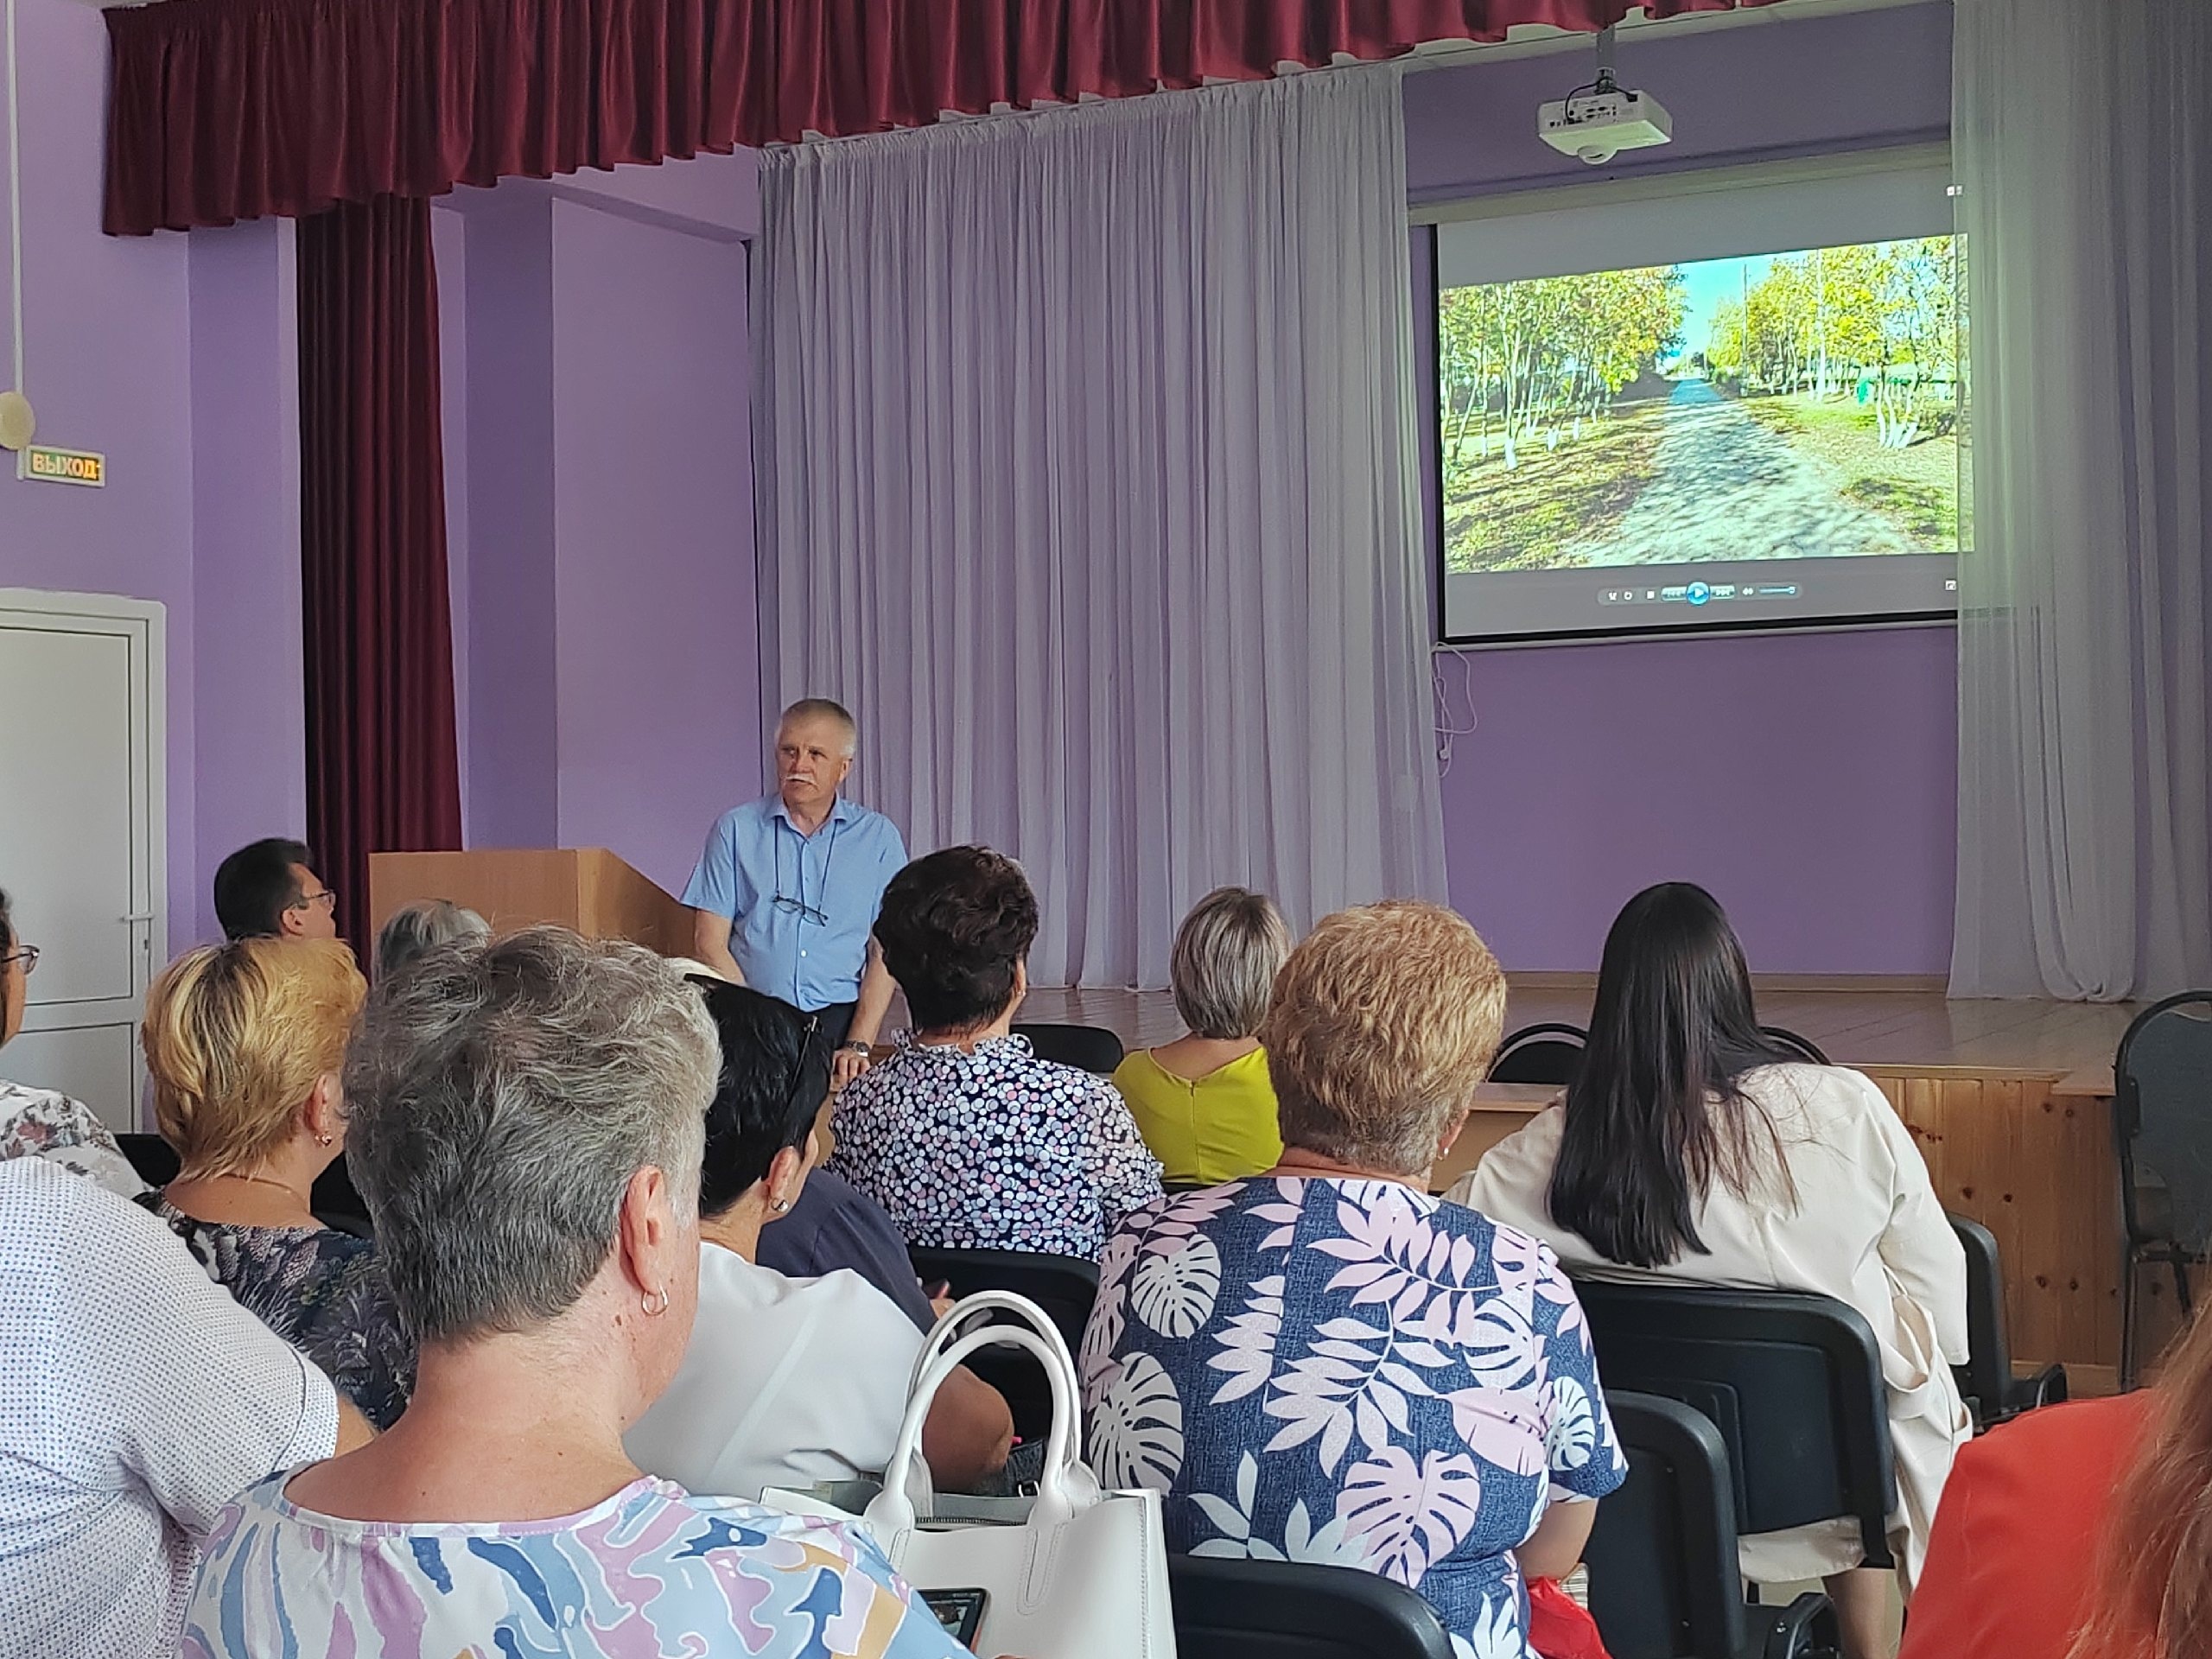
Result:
pixel 137 916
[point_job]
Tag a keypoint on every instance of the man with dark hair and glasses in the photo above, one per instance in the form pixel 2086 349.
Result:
pixel 266 890
pixel 785 893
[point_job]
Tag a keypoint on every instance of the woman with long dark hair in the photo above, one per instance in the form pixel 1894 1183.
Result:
pixel 1692 1147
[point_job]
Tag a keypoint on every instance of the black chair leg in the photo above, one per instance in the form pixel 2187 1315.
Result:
pixel 2181 1287
pixel 2127 1319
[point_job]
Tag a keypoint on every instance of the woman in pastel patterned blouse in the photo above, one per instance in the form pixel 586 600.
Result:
pixel 44 1122
pixel 243 1042
pixel 528 1121
pixel 963 1135
pixel 1203 1102
pixel 1325 1364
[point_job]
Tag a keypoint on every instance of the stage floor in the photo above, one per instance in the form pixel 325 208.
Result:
pixel 1898 1028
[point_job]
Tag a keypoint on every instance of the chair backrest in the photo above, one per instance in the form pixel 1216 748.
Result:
pixel 2162 1101
pixel 1548 1053
pixel 154 1159
pixel 1663 1578
pixel 1291 1610
pixel 1064 1285
pixel 1089 1048
pixel 1803 1047
pixel 1792 1381
pixel 1987 1378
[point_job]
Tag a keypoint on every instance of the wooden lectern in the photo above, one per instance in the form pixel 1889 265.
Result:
pixel 588 889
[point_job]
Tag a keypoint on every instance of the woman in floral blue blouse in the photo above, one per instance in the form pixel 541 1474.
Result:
pixel 969 1140
pixel 1325 1364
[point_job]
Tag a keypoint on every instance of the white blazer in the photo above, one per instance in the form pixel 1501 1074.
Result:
pixel 1866 1227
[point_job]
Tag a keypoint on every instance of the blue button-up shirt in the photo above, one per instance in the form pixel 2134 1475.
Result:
pixel 810 948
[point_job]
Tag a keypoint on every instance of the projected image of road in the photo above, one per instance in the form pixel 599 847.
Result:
pixel 1789 406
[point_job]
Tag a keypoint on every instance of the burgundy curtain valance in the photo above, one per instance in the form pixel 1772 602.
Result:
pixel 223 110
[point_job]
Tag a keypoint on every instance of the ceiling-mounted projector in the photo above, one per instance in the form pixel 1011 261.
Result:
pixel 1598 125
pixel 1597 122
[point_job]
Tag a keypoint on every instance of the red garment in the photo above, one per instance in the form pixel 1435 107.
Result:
pixel 1559 1626
pixel 2016 1541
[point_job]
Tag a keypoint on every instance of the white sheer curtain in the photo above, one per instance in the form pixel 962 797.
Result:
pixel 2085 157
pixel 1088 481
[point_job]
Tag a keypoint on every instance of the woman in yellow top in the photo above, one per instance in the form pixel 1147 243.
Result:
pixel 1203 1102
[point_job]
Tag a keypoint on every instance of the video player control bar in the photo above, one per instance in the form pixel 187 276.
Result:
pixel 1701 593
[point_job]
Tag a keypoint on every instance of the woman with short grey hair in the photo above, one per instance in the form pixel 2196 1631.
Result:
pixel 422 926
pixel 1203 1102
pixel 528 1119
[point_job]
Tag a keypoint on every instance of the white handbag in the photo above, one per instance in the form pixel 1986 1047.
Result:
pixel 1083 1576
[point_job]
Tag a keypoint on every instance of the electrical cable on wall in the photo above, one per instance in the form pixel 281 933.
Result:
pixel 18 423
pixel 1448 728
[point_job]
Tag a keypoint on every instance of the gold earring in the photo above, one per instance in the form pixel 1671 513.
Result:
pixel 651 1312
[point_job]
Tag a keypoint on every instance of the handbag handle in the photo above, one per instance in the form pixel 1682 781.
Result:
pixel 1064 1486
pixel 984 1301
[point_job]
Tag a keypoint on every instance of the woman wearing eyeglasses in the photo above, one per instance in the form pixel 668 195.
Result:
pixel 44 1122
pixel 791 1382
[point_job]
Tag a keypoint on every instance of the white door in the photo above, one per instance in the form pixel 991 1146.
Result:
pixel 83 836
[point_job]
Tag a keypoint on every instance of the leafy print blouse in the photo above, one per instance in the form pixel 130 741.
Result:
pixel 322 1290
pixel 1351 1372
pixel 993 1148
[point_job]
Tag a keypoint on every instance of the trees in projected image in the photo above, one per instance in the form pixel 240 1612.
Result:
pixel 1882 315
pixel 1799 405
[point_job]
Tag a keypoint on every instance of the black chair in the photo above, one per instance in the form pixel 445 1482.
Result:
pixel 1663 1578
pixel 2162 1120
pixel 1792 1381
pixel 1064 1285
pixel 154 1159
pixel 1088 1048
pixel 1803 1047
pixel 1992 1393
pixel 1549 1052
pixel 336 1204
pixel 1230 1609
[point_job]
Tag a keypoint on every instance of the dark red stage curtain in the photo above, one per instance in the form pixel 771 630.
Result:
pixel 222 110
pixel 382 772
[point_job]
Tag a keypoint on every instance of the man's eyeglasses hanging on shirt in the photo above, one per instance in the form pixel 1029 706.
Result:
pixel 796 904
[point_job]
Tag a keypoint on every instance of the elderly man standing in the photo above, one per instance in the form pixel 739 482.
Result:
pixel 785 893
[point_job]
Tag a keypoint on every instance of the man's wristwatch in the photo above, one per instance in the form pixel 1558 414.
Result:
pixel 856 1048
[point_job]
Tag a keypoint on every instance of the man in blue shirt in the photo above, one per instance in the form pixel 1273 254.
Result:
pixel 784 896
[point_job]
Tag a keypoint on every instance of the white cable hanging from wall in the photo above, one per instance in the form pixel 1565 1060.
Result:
pixel 18 423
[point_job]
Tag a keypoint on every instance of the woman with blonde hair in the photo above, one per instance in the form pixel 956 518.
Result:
pixel 244 1042
pixel 1203 1102
pixel 1325 1364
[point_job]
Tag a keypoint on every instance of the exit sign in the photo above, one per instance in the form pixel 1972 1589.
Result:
pixel 64 467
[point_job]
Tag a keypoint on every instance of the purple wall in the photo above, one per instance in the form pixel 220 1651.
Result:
pixel 250 754
pixel 659 691
pixel 598 451
pixel 1809 781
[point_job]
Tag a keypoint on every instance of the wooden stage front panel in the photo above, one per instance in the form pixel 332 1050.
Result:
pixel 2008 1101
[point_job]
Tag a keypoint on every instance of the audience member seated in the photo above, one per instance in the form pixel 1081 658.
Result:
pixel 1327 1364
pixel 266 890
pixel 791 1382
pixel 1690 1148
pixel 968 1138
pixel 1203 1103
pixel 135 1400
pixel 424 925
pixel 835 1225
pixel 243 1042
pixel 2080 1531
pixel 44 1122
pixel 528 1116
